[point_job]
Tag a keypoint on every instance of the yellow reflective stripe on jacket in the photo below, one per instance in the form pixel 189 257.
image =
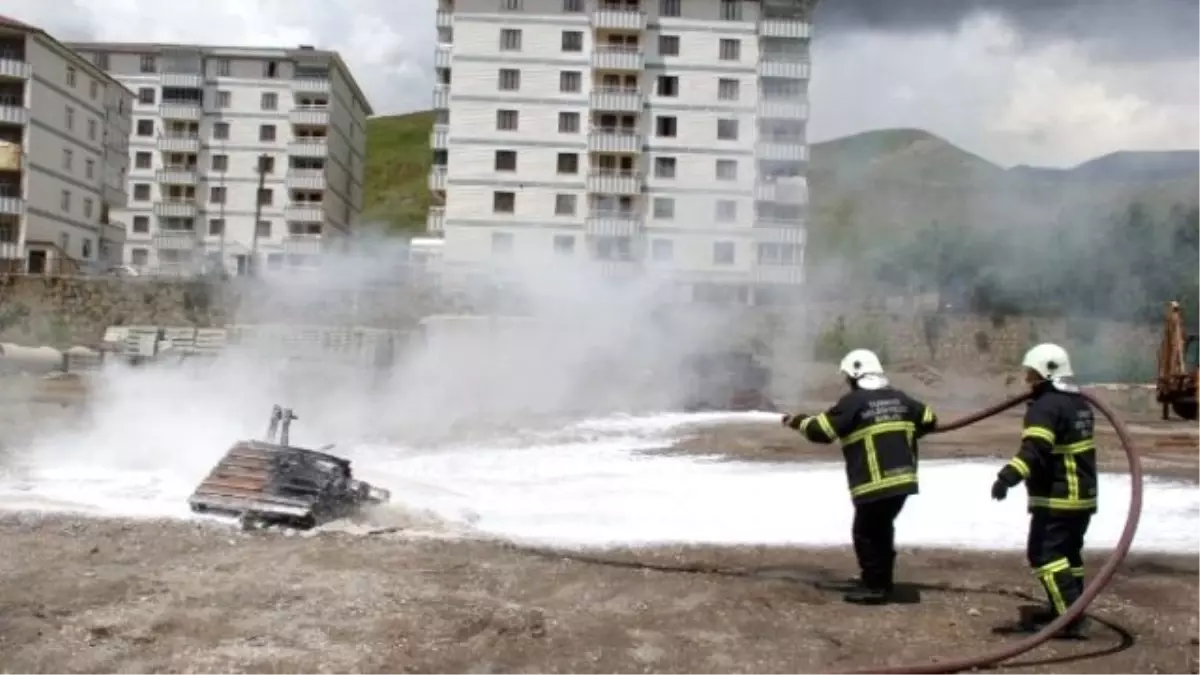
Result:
pixel 884 484
pixel 866 436
pixel 803 428
pixel 1075 448
pixel 878 428
pixel 927 416
pixel 826 426
pixel 1020 466
pixel 1041 433
pixel 1063 504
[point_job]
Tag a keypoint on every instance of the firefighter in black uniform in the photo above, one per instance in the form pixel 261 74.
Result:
pixel 878 427
pixel 1057 461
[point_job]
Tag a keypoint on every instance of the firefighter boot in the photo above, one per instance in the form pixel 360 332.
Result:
pixel 874 589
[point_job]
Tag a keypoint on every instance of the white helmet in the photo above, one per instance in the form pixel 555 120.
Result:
pixel 1048 360
pixel 863 366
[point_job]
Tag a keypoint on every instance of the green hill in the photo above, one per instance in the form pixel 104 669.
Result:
pixel 397 171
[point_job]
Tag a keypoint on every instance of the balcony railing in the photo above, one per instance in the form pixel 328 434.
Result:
pixel 437 179
pixel 308 147
pixel 15 68
pixel 310 115
pixel 783 108
pixel 14 114
pixel 187 111
pixel 177 240
pixel 311 85
pixel 303 244
pixel 182 80
pixel 439 137
pixel 12 206
pixel 618 57
pixel 614 182
pixel 786 66
pixel 436 220
pixel 306 179
pixel 617 99
pixel 305 213
pixel 779 231
pixel 617 17
pixel 785 28
pixel 614 224
pixel 179 142
pixel 615 139
pixel 176 208
pixel 441 56
pixel 784 150
pixel 176 175
pixel 444 18
pixel 441 97
pixel 783 190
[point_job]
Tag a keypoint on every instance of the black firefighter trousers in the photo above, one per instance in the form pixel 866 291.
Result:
pixel 874 533
pixel 1055 551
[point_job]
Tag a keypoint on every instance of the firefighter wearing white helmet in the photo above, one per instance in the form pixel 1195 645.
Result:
pixel 1057 462
pixel 878 427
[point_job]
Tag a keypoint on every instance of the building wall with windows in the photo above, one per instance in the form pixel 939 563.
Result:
pixel 646 133
pixel 64 126
pixel 205 120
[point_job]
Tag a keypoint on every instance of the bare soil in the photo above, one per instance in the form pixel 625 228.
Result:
pixel 89 595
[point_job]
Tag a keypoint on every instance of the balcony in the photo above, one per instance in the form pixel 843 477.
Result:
pixel 14 114
pixel 303 244
pixel 435 222
pixel 176 209
pixel 177 240
pixel 788 66
pixel 310 115
pixel 783 190
pixel 606 57
pixel 614 182
pixel 437 179
pixel 615 139
pixel 308 147
pixel 179 142
pixel 788 275
pixel 182 80
pixel 785 28
pixel 186 111
pixel 115 197
pixel 441 56
pixel 306 179
pixel 15 68
pixel 618 18
pixel 439 137
pixel 781 149
pixel 441 97
pixel 310 85
pixel 444 18
pixel 305 212
pixel 176 175
pixel 12 206
pixel 773 231
pixel 617 99
pixel 783 109
pixel 613 224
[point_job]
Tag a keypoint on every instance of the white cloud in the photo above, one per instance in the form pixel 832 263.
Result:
pixel 982 87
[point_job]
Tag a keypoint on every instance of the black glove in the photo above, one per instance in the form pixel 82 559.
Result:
pixel 999 490
pixel 787 420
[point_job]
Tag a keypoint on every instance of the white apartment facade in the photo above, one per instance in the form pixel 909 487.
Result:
pixel 64 133
pixel 661 134
pixel 205 119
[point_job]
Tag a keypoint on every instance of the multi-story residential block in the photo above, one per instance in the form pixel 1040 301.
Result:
pixel 643 134
pixel 251 158
pixel 64 133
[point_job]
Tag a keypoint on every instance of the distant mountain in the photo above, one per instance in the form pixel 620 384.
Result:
pixel 1128 166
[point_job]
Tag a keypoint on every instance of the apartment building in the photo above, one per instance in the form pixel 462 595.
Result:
pixel 667 135
pixel 64 133
pixel 241 159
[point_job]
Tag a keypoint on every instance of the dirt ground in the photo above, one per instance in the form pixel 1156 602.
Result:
pixel 88 595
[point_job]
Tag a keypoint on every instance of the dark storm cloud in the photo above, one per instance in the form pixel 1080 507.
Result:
pixel 1118 30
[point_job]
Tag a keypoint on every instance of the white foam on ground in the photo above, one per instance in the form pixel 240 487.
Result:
pixel 594 488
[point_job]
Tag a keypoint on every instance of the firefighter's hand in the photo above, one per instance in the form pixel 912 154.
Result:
pixel 999 490
pixel 792 421
pixel 787 420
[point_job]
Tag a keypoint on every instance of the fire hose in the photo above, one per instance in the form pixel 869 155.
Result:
pixel 974 661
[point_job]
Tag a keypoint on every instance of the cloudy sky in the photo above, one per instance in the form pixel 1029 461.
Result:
pixel 1050 82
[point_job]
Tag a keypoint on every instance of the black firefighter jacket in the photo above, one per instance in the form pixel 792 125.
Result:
pixel 1057 459
pixel 878 430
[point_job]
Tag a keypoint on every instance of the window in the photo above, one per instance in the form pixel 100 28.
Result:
pixel 668 45
pixel 510 79
pixel 65 200
pixel 72 76
pixel 572 6
pixel 68 159
pixel 266 164
pixel 780 254
pixel 568 163
pixel 266 197
pixel 216 194
pixel 70 118
pixel 572 41
pixel 223 68
pixel 570 81
pixel 262 229
pixel 269 101
pixel 731 10
pixel 665 126
pixel 726 211
pixel 143 160
pixel 141 224
pixel 568 122
pixel 662 250
pixel 89 168
pixel 564 205
pixel 668 86
pixel 266 132
pixel 91 130
pixel 727 169
pixel 87 208
pixel 216 226
pixel 145 127
pixel 221 131
pixel 510 39
pixel 220 163
pixel 668 7
pixel 511 5
pixel 664 167
pixel 224 99
pixel 504 202
pixel 101 60
pixel 507 120
pixel 664 208
pixel 93 89
pixel 730 50
pixel 146 96
pixel 506 160
pixel 271 69
pixel 728 89
pixel 149 64
pixel 564 244
pixel 723 252
pixel 727 130
pixel 141 192
pixel 502 243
